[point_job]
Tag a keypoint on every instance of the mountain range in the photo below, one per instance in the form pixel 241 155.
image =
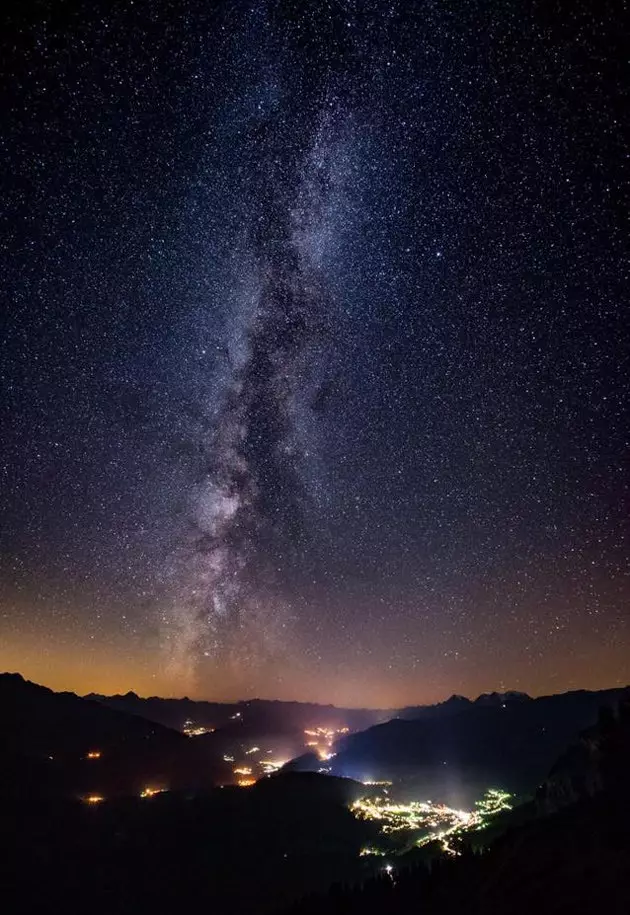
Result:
pixel 79 829
pixel 456 749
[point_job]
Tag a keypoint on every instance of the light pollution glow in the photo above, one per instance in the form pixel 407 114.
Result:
pixel 76 662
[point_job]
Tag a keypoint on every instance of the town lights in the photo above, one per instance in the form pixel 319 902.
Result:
pixel 436 822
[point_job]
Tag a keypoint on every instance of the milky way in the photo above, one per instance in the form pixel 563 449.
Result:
pixel 257 442
pixel 315 376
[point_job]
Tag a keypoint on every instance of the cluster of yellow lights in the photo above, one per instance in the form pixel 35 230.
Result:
pixel 94 799
pixel 327 734
pixel 195 730
pixel 246 771
pixel 494 801
pixel 322 739
pixel 441 823
pixel 151 792
pixel 93 754
pixel 272 765
pixel 414 815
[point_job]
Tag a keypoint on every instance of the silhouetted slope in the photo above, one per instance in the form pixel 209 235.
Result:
pixel 461 703
pixel 55 732
pixel 255 716
pixel 598 761
pixel 501 740
pixel 230 852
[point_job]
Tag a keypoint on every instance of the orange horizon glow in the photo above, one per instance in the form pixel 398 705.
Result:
pixel 112 668
pixel 108 686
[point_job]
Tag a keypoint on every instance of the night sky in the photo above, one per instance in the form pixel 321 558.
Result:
pixel 315 348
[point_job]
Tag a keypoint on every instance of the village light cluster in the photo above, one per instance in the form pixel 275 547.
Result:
pixel 494 801
pixel 321 739
pixel 191 729
pixel 252 762
pixel 247 775
pixel 438 822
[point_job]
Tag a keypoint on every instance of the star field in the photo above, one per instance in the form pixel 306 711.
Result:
pixel 316 349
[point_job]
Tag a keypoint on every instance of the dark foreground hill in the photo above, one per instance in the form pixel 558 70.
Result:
pixel 229 851
pixel 61 744
pixel 457 749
